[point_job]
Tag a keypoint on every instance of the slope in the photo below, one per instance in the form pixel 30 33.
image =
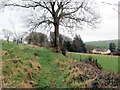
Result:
pixel 30 66
pixel 102 44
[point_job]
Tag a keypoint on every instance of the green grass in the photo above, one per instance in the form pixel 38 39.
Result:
pixel 49 75
pixel 103 44
pixel 108 63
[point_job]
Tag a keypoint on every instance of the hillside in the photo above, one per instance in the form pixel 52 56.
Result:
pixel 29 66
pixel 102 44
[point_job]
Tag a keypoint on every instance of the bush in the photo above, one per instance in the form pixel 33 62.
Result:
pixel 63 51
pixel 90 60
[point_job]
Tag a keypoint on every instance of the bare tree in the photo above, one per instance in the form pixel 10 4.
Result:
pixel 60 14
pixel 111 4
pixel 7 34
pixel 21 36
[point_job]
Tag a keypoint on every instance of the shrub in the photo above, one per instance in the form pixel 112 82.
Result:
pixel 90 60
pixel 63 51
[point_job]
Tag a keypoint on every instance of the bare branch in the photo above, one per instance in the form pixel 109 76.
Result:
pixel 65 13
pixel 76 9
pixel 110 4
pixel 116 10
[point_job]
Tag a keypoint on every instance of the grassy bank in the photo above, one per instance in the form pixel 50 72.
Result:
pixel 32 66
pixel 49 74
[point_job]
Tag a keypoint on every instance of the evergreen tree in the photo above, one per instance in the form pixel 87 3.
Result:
pixel 112 47
pixel 118 49
pixel 67 45
pixel 78 45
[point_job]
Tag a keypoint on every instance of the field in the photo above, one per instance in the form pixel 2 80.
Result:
pixel 27 66
pixel 108 62
pixel 103 44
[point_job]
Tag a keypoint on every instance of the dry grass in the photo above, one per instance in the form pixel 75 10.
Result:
pixel 34 46
pixel 35 65
pixel 83 75
pixel 63 69
pixel 23 67
pixel 25 85
pixel 61 63
pixel 4 52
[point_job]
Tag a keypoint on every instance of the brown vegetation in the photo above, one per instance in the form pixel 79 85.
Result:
pixel 4 52
pixel 86 75
pixel 20 74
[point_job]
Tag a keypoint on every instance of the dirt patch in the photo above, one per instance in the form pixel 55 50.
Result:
pixel 4 52
pixel 34 65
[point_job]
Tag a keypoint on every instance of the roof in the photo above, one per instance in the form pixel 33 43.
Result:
pixel 101 50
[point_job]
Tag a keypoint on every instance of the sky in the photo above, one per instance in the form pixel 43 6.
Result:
pixel 108 28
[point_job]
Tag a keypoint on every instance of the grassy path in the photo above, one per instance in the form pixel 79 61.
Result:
pixel 50 75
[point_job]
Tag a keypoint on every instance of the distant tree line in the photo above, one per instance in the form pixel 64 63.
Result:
pixel 40 39
pixel 37 38
pixel 66 43
pixel 9 35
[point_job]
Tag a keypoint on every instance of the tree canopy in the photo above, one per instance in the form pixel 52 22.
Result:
pixel 58 14
pixel 37 38
pixel 78 45
pixel 112 47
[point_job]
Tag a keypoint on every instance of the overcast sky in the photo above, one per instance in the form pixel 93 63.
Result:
pixel 108 30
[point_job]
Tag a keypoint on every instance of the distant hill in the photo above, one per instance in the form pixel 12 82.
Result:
pixel 102 44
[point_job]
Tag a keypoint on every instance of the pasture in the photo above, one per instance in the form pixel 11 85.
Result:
pixel 108 62
pixel 103 44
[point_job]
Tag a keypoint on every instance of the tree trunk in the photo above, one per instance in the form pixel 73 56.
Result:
pixel 56 32
pixel 8 39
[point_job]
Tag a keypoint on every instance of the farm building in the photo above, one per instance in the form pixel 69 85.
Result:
pixel 101 51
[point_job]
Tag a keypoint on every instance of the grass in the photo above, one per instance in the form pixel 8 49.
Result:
pixel 108 63
pixel 48 76
pixel 103 44
pixel 51 75
pixel 25 64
